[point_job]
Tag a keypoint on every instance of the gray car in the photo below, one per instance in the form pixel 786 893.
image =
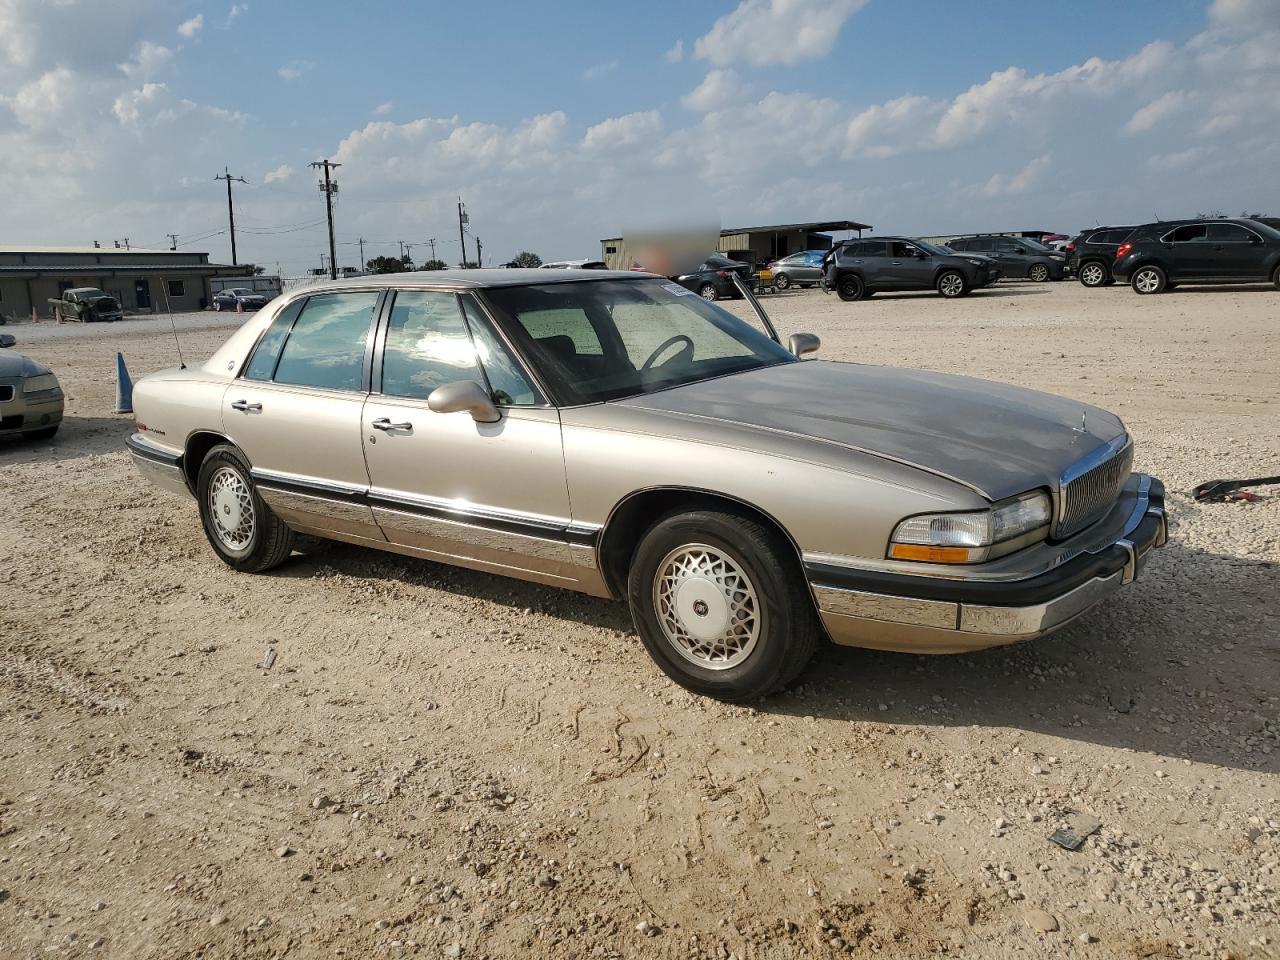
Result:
pixel 798 270
pixel 615 434
pixel 1019 257
pixel 30 395
pixel 858 269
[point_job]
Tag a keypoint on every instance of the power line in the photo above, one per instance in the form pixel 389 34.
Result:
pixel 231 213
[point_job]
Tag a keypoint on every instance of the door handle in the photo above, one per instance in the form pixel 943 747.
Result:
pixel 383 423
pixel 244 406
pixel 896 263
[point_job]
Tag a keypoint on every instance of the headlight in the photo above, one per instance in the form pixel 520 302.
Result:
pixel 46 381
pixel 973 537
pixel 976 263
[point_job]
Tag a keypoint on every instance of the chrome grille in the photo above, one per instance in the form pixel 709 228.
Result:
pixel 6 392
pixel 1090 487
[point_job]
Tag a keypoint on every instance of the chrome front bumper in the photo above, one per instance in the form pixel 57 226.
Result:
pixel 967 615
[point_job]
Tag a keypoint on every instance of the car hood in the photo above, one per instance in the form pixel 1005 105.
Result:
pixel 997 439
pixel 13 365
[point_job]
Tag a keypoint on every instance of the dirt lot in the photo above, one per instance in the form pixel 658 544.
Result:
pixel 447 764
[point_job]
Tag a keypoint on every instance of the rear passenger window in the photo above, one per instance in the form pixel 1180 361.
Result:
pixel 326 346
pixel 1191 233
pixel 262 365
pixel 875 248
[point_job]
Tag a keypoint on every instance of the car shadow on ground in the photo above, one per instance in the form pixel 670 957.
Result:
pixel 1134 673
pixel 1185 286
pixel 77 437
pixel 985 293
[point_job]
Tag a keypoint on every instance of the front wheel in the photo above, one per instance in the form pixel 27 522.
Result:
pixel 1148 280
pixel 1038 272
pixel 721 605
pixel 951 284
pixel 850 287
pixel 1093 275
pixel 217 306
pixel 241 528
pixel 781 281
pixel 708 292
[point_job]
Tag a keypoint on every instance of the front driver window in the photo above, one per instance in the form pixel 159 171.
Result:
pixel 427 345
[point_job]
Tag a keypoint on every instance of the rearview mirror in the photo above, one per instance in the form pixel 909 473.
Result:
pixel 803 344
pixel 464 396
pixel 7 340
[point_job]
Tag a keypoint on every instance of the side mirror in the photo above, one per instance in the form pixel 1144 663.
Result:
pixel 803 344
pixel 464 396
pixel 7 340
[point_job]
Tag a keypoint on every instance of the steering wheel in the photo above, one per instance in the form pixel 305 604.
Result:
pixel 686 351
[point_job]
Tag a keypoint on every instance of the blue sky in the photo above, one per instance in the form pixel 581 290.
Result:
pixel 562 123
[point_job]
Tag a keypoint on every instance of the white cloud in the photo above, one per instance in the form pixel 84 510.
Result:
pixel 1179 160
pixel 279 174
pixel 676 53
pixel 1021 182
pixel 189 28
pixel 294 69
pixel 130 107
pixel 886 129
pixel 1159 109
pixel 383 109
pixel 624 131
pixel 45 101
pixel 236 12
pixel 761 32
pixel 148 59
pixel 598 70
pixel 718 89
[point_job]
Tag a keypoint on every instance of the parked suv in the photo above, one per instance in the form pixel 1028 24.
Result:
pixel 1090 255
pixel 1017 256
pixel 798 270
pixel 859 268
pixel 1158 256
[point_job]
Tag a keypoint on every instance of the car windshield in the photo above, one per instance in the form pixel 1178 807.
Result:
pixel 87 292
pixel 934 248
pixel 241 291
pixel 609 339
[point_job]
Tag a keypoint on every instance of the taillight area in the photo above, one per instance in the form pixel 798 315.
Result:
pixel 1070 246
pixel 726 274
pixel 1123 249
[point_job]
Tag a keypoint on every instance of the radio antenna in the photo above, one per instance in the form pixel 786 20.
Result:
pixel 173 324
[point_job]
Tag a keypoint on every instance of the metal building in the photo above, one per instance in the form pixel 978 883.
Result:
pixel 144 281
pixel 753 244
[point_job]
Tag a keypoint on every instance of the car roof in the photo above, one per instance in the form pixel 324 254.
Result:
pixel 477 279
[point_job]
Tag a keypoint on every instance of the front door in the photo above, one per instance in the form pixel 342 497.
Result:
pixel 142 291
pixel 295 412
pixel 1237 253
pixel 909 267
pixel 1191 252
pixel 491 496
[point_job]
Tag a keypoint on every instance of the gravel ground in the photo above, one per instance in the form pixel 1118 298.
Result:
pixel 446 764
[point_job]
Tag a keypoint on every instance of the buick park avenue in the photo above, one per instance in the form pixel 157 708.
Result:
pixel 616 434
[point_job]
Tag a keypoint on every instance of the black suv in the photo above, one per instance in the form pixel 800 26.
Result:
pixel 1017 256
pixel 858 268
pixel 1159 256
pixel 1090 255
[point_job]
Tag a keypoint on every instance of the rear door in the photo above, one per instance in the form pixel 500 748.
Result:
pixel 873 261
pixel 295 412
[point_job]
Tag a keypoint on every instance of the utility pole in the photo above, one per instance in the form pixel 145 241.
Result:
pixel 173 240
pixel 462 237
pixel 329 188
pixel 408 251
pixel 479 253
pixel 362 263
pixel 231 213
pixel 432 242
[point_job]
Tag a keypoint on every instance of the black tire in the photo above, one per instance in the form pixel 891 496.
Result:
pixel 46 433
pixel 1275 278
pixel 1093 274
pixel 217 306
pixel 787 627
pixel 1149 279
pixel 1038 272
pixel 781 281
pixel 951 284
pixel 708 292
pixel 269 540
pixel 850 288
pixel 1111 281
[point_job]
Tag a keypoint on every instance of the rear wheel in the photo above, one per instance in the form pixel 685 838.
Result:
pixel 1093 274
pixel 240 527
pixel 850 287
pixel 1275 278
pixel 708 292
pixel 720 605
pixel 781 281
pixel 951 284
pixel 1038 272
pixel 1149 279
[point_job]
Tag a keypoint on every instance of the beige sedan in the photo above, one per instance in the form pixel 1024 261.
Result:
pixel 615 434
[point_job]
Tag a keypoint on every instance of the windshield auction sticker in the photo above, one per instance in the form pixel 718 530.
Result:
pixel 678 290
